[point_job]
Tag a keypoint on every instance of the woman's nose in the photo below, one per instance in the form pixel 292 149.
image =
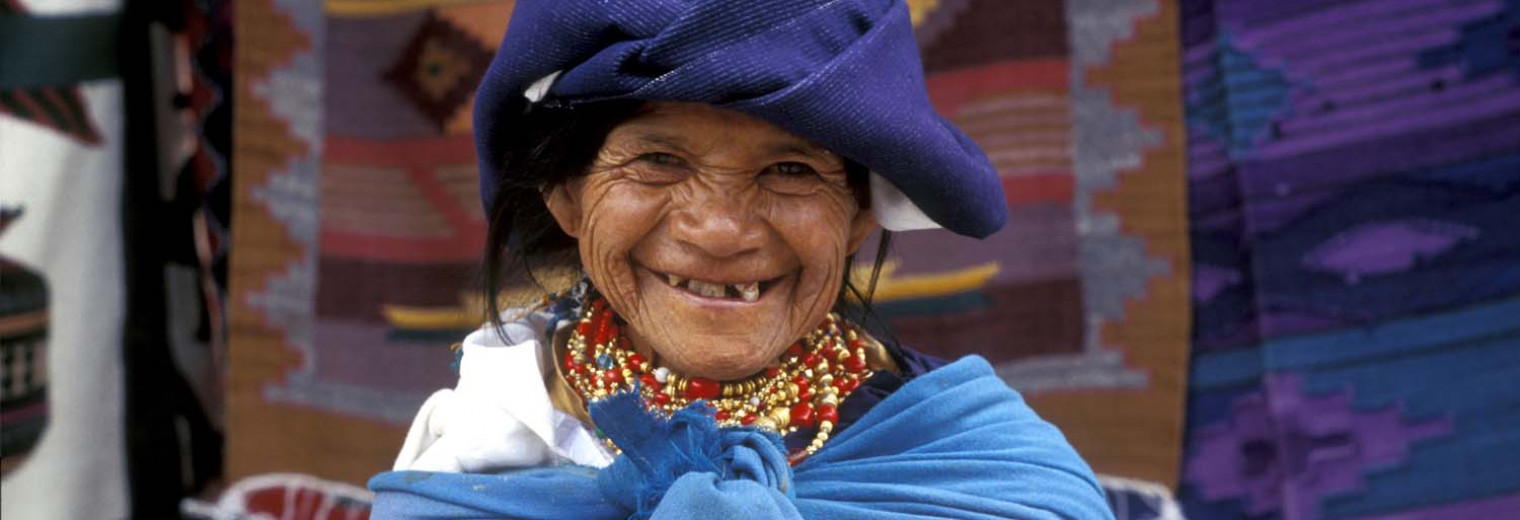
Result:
pixel 720 225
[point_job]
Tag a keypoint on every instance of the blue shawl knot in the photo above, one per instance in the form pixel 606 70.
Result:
pixel 658 453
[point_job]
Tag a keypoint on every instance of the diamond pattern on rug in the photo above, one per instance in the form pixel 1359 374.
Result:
pixel 438 70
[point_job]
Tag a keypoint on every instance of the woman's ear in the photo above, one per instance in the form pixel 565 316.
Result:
pixel 860 228
pixel 565 207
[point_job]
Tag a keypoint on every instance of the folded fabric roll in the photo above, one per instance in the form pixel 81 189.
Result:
pixel 843 73
pixel 954 443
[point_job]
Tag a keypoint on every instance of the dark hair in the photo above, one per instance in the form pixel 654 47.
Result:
pixel 552 144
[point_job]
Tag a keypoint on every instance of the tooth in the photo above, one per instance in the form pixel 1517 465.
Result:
pixel 675 281
pixel 710 290
pixel 749 291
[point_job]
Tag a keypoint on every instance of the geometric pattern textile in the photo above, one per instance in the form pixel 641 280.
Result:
pixel 355 193
pixel 1354 172
pixel 439 69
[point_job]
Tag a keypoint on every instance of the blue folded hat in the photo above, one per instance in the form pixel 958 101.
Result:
pixel 843 73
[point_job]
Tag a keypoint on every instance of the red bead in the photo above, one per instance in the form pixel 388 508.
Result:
pixel 801 380
pixel 649 382
pixel 848 385
pixel 721 415
pixel 635 359
pixel 569 362
pixel 612 377
pixel 583 328
pixel 747 419
pixel 804 391
pixel 794 350
pixel 811 359
pixel 701 388
pixel 828 413
pixel 855 363
pixel 603 332
pixel 856 344
pixel 661 399
pixel 802 414
pixel 772 372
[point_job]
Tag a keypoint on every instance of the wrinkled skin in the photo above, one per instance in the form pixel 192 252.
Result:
pixel 704 193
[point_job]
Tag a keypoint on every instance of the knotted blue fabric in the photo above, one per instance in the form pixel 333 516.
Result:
pixel 843 73
pixel 953 443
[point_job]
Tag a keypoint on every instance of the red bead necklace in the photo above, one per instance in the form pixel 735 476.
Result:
pixel 804 390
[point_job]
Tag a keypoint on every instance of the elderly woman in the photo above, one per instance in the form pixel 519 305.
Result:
pixel 713 166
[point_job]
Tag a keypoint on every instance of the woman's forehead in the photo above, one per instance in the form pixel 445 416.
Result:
pixel 697 126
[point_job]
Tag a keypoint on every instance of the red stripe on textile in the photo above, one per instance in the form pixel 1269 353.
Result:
pixel 1041 188
pixel 419 158
pixel 339 244
pixel 67 122
pixel 39 114
pixel 24 414
pixel 949 90
pixel 73 104
pixel 405 153
pixel 446 203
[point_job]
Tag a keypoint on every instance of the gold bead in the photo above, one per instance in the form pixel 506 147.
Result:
pixel 781 416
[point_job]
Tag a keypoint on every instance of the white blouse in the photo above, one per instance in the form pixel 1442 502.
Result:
pixel 499 416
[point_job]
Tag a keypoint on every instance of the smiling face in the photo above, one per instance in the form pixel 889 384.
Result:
pixel 720 238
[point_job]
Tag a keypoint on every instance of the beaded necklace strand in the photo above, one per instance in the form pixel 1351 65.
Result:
pixel 803 390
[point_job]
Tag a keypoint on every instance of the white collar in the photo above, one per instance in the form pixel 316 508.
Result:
pixel 499 415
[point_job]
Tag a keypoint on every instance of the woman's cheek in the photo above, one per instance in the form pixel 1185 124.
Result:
pixel 816 226
pixel 618 215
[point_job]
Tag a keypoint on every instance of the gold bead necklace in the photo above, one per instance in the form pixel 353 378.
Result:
pixel 803 390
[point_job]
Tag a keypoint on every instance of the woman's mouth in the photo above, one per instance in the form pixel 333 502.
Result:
pixel 749 291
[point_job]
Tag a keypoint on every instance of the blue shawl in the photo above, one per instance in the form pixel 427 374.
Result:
pixel 953 443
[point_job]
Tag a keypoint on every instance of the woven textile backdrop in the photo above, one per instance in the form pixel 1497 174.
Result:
pixel 357 224
pixel 1355 187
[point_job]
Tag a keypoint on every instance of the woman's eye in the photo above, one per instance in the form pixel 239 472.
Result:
pixel 793 169
pixel 659 168
pixel 661 158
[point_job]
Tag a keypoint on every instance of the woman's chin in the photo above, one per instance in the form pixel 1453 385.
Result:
pixel 722 368
pixel 723 354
